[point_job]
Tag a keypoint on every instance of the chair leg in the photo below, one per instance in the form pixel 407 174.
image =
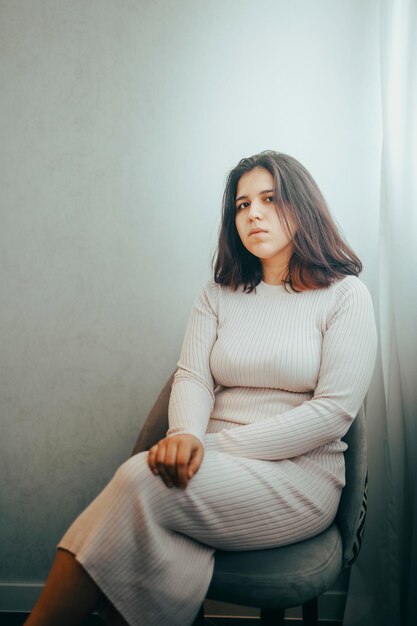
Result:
pixel 199 620
pixel 272 617
pixel 311 612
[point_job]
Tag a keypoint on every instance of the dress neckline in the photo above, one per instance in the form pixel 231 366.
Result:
pixel 263 289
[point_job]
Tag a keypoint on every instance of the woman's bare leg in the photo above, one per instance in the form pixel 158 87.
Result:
pixel 69 596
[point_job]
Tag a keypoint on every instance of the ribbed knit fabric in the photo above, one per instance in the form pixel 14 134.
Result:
pixel 292 368
pixel 269 381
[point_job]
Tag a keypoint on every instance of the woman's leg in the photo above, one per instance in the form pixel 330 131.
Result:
pixel 69 596
pixel 151 549
pixel 151 574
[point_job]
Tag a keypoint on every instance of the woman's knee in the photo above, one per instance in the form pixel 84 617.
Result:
pixel 134 472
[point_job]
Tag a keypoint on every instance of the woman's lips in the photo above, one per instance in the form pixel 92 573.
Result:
pixel 258 232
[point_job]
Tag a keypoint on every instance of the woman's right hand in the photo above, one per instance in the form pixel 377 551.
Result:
pixel 176 459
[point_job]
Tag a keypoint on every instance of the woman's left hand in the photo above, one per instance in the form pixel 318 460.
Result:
pixel 176 459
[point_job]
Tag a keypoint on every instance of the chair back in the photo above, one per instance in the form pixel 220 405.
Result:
pixel 156 424
pixel 353 502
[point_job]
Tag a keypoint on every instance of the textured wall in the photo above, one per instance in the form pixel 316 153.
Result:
pixel 119 122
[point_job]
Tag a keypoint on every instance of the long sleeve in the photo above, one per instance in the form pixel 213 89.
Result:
pixel 192 395
pixel 347 364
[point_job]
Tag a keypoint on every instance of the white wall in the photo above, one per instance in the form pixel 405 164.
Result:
pixel 120 121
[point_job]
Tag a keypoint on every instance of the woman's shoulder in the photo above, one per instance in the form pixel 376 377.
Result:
pixel 350 286
pixel 217 289
pixel 349 293
pixel 216 294
pixel 208 295
pixel 211 284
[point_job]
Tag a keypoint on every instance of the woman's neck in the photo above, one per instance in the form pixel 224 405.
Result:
pixel 275 269
pixel 274 276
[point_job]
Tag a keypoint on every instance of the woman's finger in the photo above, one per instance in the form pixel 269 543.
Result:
pixel 195 462
pixel 170 462
pixel 160 464
pixel 183 459
pixel 151 459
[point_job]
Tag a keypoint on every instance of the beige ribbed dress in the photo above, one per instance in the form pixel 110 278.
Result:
pixel 269 381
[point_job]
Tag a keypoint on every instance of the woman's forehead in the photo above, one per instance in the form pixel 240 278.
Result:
pixel 256 178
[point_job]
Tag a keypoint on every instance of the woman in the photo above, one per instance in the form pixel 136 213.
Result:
pixel 277 358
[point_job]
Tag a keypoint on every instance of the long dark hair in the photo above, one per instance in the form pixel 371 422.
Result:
pixel 320 255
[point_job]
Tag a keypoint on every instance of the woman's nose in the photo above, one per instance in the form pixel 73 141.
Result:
pixel 254 211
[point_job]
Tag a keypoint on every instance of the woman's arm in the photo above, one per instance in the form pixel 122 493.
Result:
pixel 192 395
pixel 348 359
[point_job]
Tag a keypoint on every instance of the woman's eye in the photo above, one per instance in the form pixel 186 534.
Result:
pixel 243 205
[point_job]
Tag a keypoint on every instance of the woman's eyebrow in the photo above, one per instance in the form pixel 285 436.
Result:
pixel 264 191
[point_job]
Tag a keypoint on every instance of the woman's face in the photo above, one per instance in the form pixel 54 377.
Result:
pixel 255 210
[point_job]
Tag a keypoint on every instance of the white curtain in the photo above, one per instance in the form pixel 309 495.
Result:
pixel 383 585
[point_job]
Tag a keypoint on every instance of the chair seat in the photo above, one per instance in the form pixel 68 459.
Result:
pixel 279 577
